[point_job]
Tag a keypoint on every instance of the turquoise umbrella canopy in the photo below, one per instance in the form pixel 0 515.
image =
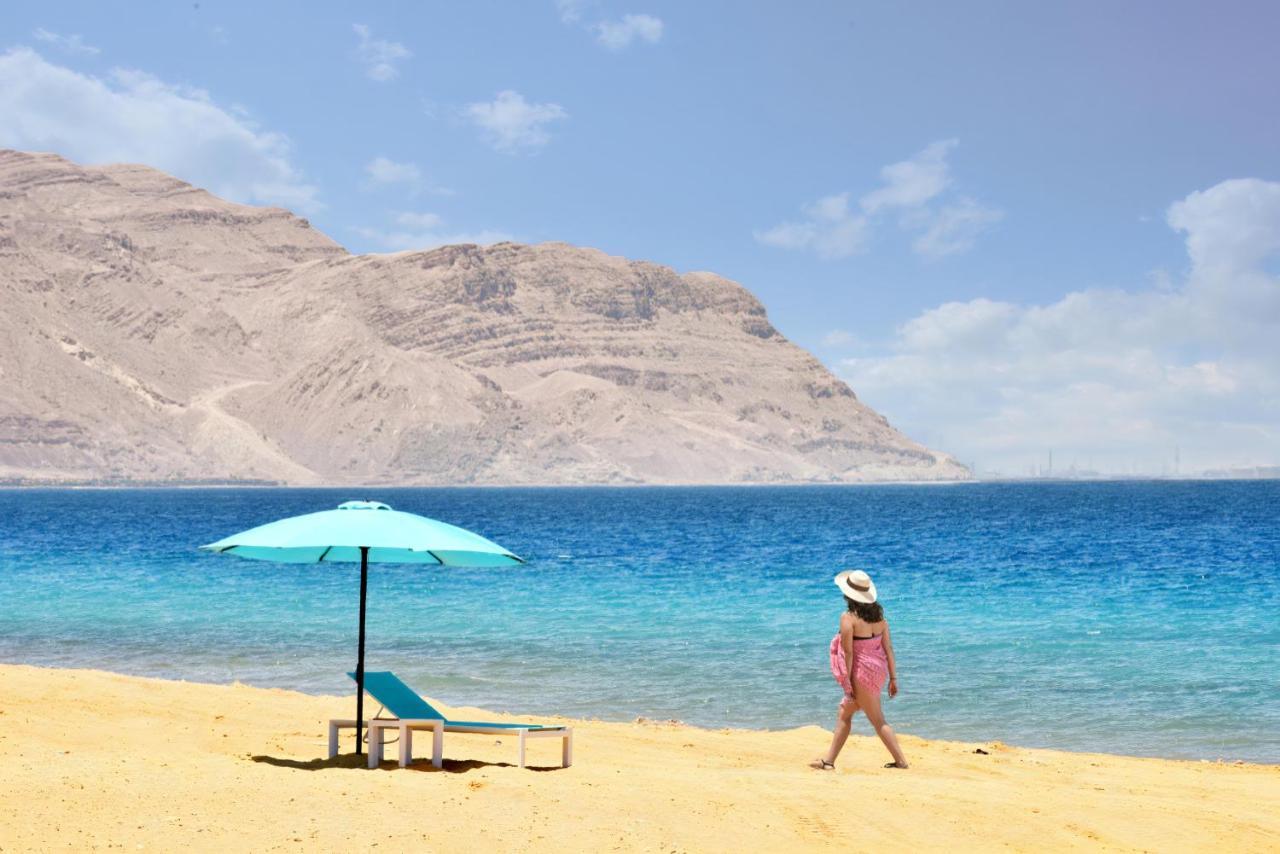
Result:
pixel 336 536
pixel 364 532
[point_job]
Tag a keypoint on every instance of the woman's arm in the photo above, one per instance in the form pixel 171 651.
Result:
pixel 893 663
pixel 846 641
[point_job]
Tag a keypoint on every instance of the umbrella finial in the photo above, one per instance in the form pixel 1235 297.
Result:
pixel 363 505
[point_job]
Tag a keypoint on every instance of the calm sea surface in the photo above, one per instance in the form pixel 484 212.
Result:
pixel 1138 618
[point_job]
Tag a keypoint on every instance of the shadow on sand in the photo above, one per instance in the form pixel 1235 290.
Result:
pixel 353 760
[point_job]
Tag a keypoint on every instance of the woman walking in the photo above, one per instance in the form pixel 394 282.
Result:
pixel 861 658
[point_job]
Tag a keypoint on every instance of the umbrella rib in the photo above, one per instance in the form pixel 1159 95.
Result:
pixel 436 556
pixel 324 554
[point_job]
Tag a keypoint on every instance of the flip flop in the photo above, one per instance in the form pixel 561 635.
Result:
pixel 822 765
pixel 895 765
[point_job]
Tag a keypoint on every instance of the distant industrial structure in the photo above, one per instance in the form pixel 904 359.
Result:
pixel 1167 470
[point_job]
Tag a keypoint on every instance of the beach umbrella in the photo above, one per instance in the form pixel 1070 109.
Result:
pixel 365 532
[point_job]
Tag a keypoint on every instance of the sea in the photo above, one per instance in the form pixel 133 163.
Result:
pixel 1138 618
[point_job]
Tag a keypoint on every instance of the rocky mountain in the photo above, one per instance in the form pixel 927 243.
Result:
pixel 153 332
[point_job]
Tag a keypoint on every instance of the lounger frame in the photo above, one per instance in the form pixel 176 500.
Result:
pixel 377 728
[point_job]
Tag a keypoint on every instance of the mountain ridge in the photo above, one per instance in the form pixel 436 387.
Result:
pixel 158 333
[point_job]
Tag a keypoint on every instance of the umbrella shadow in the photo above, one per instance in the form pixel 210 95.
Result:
pixel 343 760
pixel 361 761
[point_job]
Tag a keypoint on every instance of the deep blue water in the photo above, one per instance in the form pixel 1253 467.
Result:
pixel 1135 618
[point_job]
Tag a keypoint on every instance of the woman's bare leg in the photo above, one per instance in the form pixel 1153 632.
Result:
pixel 844 720
pixel 870 704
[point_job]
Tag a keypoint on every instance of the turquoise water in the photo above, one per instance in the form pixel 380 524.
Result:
pixel 1136 618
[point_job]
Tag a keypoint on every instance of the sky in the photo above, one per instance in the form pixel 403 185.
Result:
pixel 1015 229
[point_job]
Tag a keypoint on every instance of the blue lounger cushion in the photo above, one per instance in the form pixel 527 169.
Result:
pixel 405 703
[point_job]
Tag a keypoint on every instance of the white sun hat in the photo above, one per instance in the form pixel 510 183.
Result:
pixel 857 585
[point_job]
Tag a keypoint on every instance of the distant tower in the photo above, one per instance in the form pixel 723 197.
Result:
pixel 1051 462
pixel 1177 459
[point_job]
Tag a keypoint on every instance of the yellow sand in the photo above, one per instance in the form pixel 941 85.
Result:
pixel 96 760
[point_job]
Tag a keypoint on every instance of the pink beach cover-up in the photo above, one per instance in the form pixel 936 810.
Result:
pixel 870 665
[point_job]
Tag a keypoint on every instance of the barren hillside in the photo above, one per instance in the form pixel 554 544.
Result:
pixel 152 331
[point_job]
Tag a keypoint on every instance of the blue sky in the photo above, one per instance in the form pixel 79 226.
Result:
pixel 966 210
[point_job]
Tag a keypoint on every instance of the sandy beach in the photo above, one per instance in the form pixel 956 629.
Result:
pixel 95 760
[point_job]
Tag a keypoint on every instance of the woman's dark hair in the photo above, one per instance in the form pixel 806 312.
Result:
pixel 868 613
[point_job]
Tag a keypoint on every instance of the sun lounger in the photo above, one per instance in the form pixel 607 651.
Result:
pixel 411 713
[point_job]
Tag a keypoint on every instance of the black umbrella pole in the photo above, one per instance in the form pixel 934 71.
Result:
pixel 364 589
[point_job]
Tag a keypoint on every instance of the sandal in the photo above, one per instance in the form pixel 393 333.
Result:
pixel 895 765
pixel 822 765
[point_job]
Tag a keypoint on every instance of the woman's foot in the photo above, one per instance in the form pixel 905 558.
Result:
pixel 902 765
pixel 822 765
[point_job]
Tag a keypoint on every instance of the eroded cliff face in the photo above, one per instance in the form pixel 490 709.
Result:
pixel 152 331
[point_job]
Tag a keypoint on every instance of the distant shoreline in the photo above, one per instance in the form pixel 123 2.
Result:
pixel 123 485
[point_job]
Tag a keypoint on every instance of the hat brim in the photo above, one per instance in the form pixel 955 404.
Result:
pixel 866 597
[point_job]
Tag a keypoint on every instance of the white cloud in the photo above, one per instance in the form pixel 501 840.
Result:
pixel 838 338
pixel 511 124
pixel 378 55
pixel 912 183
pixel 385 172
pixel 131 116
pixel 420 221
pixel 829 228
pixel 1231 228
pixel 908 190
pixel 571 10
pixel 71 44
pixel 954 228
pixel 423 230
pixel 619 34
pixel 382 170
pixel 1106 378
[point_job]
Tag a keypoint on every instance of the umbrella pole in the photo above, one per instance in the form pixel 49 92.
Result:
pixel 364 588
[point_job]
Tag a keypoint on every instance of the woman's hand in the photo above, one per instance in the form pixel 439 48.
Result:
pixel 893 686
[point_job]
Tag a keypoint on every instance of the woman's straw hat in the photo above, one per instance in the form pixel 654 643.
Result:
pixel 857 585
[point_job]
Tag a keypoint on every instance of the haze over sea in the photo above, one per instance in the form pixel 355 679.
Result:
pixel 1136 617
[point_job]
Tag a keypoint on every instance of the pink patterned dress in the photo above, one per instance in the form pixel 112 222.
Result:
pixel 870 665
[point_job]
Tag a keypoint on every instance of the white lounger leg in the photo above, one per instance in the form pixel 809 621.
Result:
pixel 437 745
pixel 523 733
pixel 336 725
pixel 406 746
pixel 566 749
pixel 375 746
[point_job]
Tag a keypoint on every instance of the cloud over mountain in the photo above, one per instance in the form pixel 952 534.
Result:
pixel 911 192
pixel 135 117
pixel 1109 377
